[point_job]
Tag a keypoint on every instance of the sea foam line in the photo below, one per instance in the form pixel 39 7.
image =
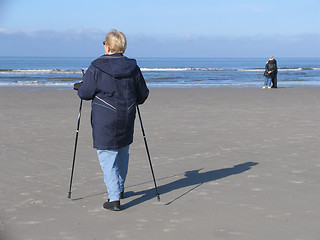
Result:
pixel 37 71
pixel 193 69
pixel 225 69
pixel 76 71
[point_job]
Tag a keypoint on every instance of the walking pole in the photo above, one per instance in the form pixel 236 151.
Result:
pixel 146 144
pixel 75 145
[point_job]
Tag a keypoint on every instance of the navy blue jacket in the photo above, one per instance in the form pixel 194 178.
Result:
pixel 115 85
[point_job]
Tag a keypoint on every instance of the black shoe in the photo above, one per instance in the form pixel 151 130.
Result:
pixel 113 206
pixel 121 196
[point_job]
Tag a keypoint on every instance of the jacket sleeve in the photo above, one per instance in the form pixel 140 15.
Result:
pixel 275 68
pixel 88 88
pixel 141 88
pixel 266 66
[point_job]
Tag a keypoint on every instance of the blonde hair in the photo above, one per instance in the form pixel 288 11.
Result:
pixel 116 41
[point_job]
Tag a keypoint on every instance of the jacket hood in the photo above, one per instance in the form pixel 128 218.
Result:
pixel 116 65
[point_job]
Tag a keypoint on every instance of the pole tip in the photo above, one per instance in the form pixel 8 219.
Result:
pixel 69 195
pixel 158 197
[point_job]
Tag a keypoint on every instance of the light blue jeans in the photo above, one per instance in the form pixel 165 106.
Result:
pixel 267 81
pixel 114 164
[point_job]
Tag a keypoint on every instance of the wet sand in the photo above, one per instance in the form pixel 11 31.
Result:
pixel 230 164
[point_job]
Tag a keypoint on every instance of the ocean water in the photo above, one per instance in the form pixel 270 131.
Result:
pixel 164 72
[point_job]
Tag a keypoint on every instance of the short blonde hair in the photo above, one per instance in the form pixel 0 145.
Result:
pixel 116 41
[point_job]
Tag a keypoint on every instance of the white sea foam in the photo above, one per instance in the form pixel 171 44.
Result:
pixel 195 69
pixel 61 71
pixel 223 69
pixel 36 84
pixel 37 71
pixel 164 69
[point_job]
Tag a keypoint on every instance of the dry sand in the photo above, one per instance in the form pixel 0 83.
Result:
pixel 230 164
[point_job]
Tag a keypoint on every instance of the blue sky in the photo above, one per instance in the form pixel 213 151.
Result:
pixel 202 28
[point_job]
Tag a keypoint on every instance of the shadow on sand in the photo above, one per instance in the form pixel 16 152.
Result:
pixel 192 178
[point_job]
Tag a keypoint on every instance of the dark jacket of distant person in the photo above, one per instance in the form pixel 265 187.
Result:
pixel 271 65
pixel 115 85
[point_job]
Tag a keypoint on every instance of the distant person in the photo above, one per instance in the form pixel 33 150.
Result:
pixel 270 73
pixel 115 85
pixel 267 80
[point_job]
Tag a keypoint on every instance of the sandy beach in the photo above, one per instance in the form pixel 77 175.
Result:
pixel 230 164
